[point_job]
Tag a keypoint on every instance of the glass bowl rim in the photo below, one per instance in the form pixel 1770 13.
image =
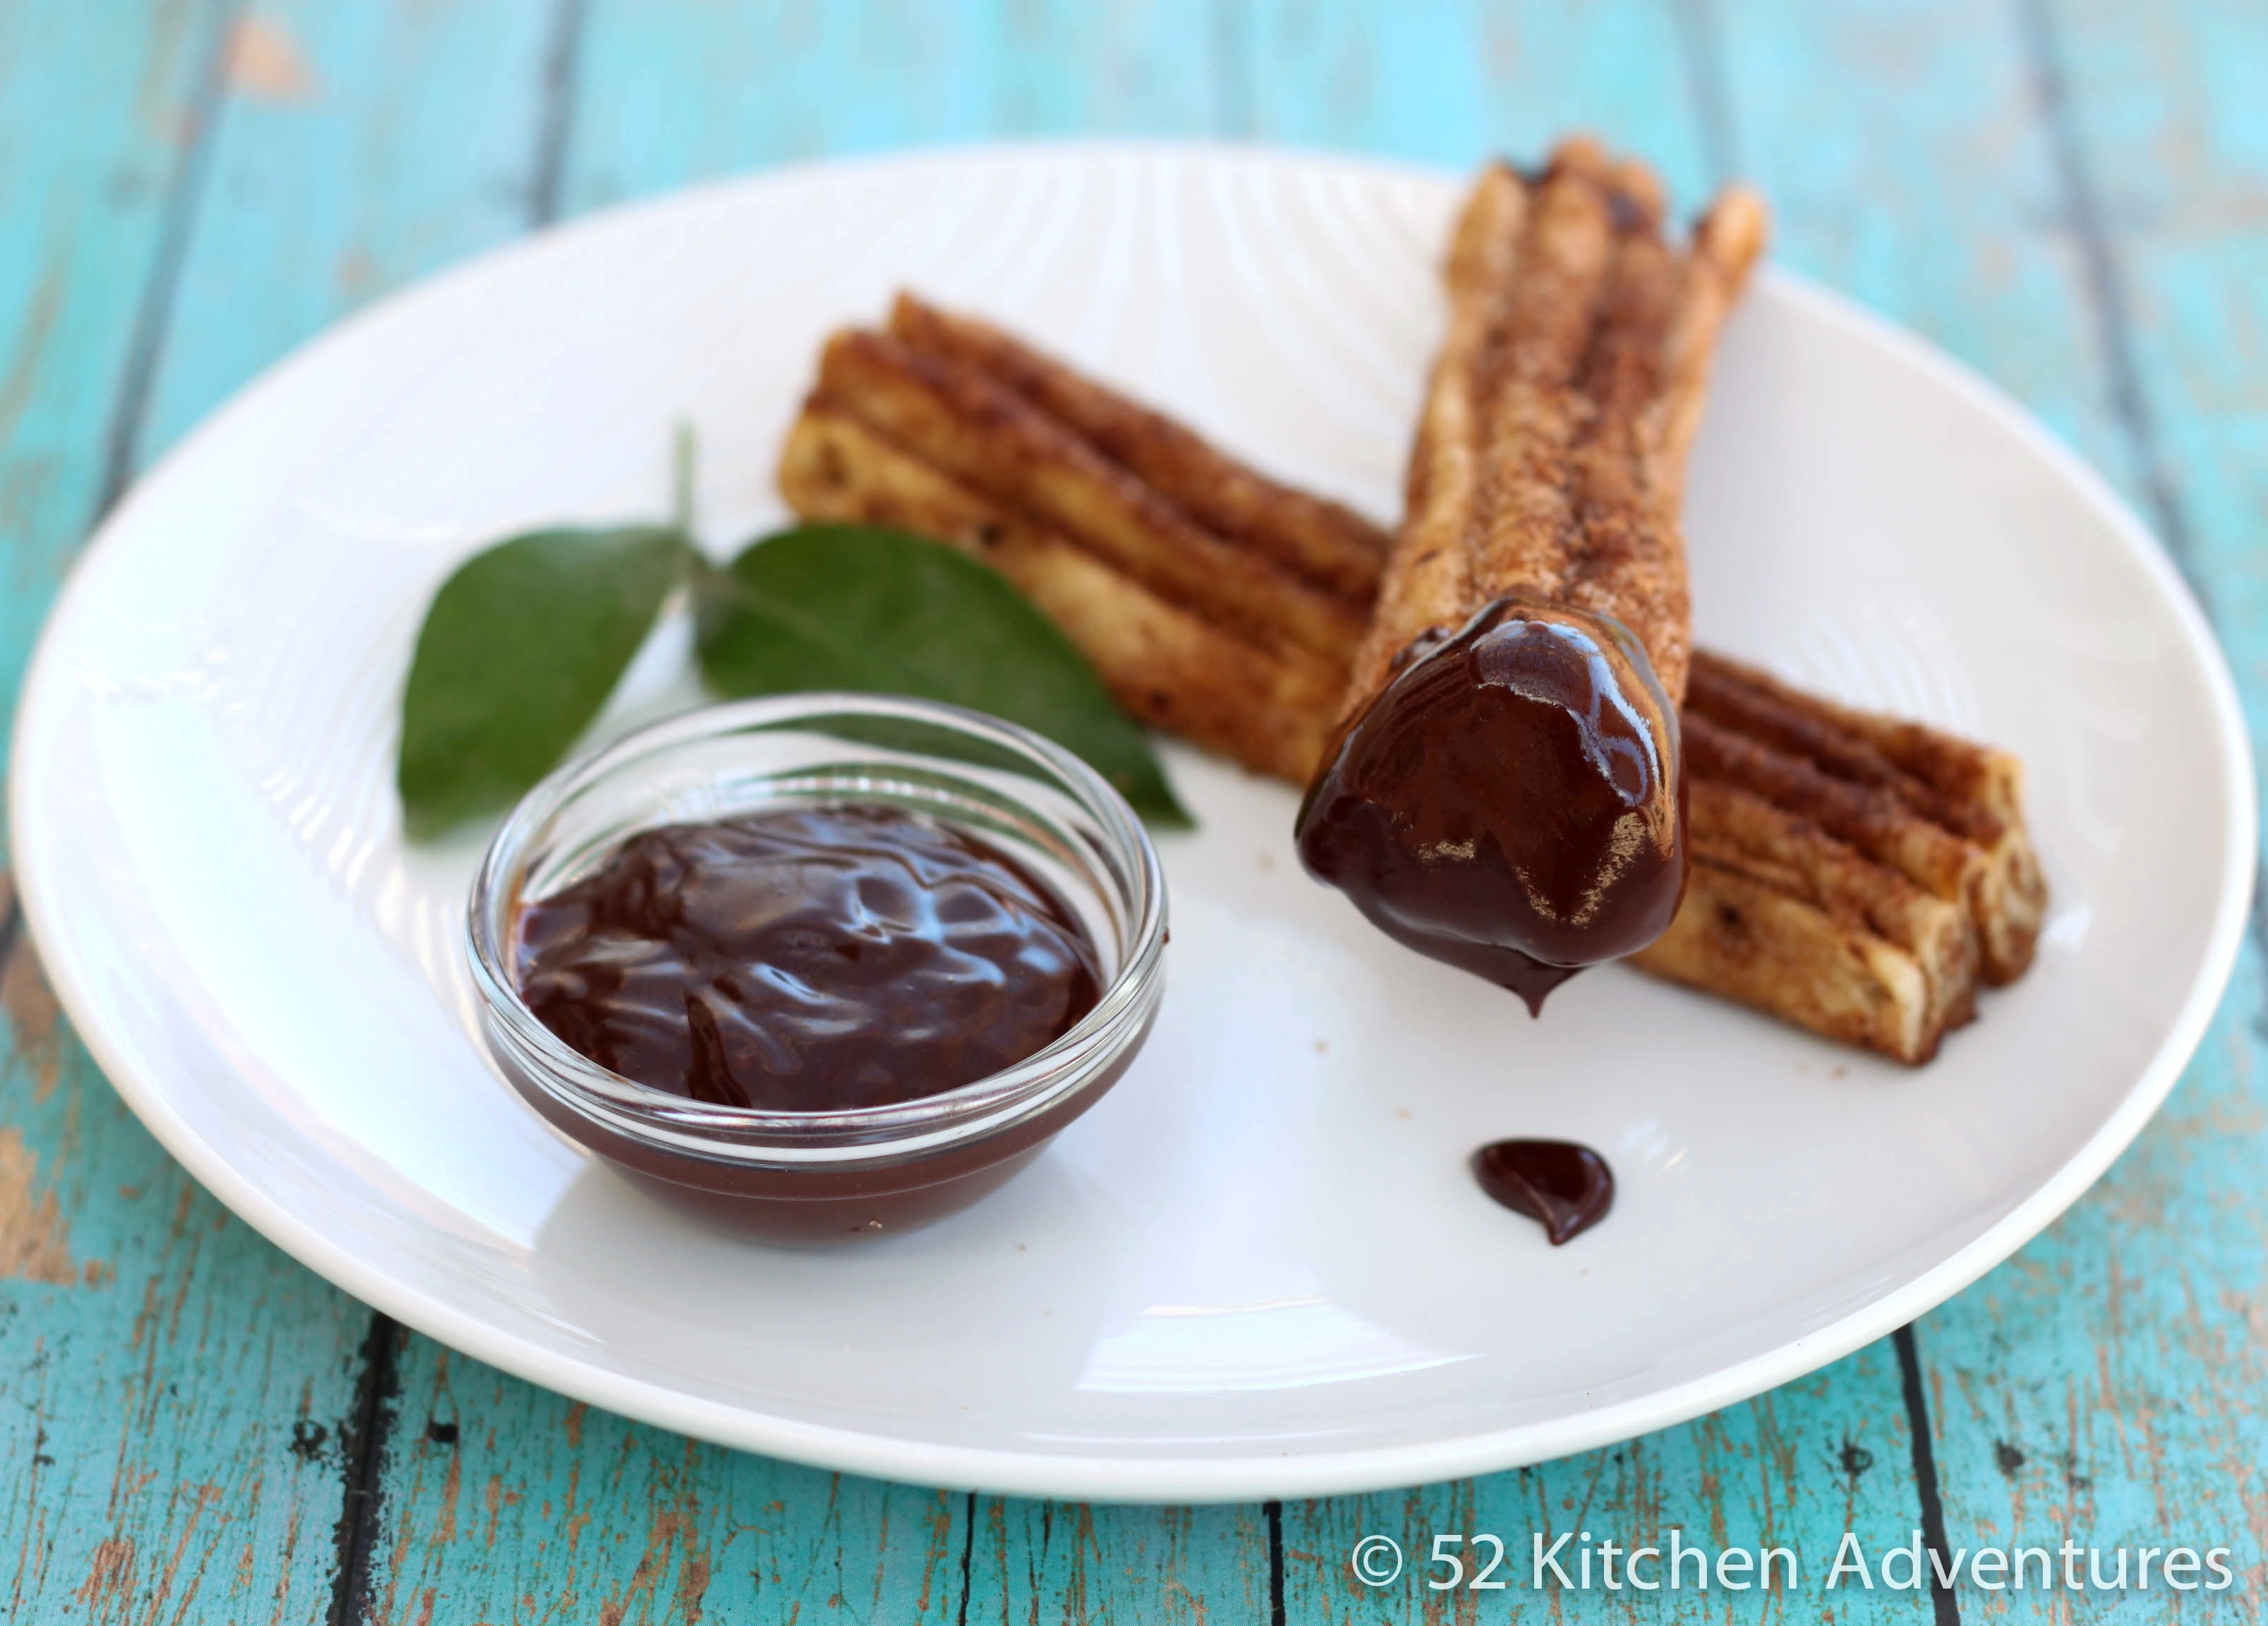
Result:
pixel 641 1111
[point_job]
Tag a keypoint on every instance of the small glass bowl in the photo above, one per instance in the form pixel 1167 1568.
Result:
pixel 829 1176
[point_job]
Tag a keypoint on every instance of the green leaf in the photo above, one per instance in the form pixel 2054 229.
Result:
pixel 863 607
pixel 519 650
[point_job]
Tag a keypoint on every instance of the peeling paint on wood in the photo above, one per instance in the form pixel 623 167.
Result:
pixel 33 1017
pixel 584 1516
pixel 266 64
pixel 151 1431
pixel 34 1237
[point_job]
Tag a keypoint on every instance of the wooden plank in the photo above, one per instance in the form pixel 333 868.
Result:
pixel 1452 84
pixel 2042 1394
pixel 667 95
pixel 1067 1561
pixel 1907 166
pixel 503 1501
pixel 176 1389
pixel 2108 1384
pixel 191 1417
pixel 2103 1387
pixel 362 145
pixel 173 1385
pixel 91 146
pixel 2159 203
pixel 359 145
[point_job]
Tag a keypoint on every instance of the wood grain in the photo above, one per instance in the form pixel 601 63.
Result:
pixel 2108 1381
pixel 170 1386
pixel 669 95
pixel 1036 1561
pixel 1909 166
pixel 181 1412
pixel 2068 194
pixel 1452 83
pixel 360 145
pixel 506 1502
pixel 98 108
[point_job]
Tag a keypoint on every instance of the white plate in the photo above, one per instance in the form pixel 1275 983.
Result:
pixel 1259 1267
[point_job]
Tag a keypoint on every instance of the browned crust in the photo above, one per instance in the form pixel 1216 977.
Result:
pixel 1324 543
pixel 1728 242
pixel 1977 781
pixel 963 424
pixel 1737 830
pixel 1631 563
pixel 1804 725
pixel 1550 457
pixel 1870 819
pixel 1530 526
pixel 1869 831
pixel 1170 668
pixel 1750 940
pixel 1973 791
pixel 1431 565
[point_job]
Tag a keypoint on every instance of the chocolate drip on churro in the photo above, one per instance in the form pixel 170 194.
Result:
pixel 1516 810
pixel 1535 601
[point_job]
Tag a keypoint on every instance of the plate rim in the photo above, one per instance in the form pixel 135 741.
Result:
pixel 1089 1476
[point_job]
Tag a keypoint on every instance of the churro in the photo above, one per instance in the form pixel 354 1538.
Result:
pixel 1854 874
pixel 1265 703
pixel 1213 617
pixel 1503 791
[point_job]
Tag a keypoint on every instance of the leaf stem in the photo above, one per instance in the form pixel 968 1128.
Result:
pixel 684 452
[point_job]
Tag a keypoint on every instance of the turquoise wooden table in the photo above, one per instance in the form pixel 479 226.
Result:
pixel 2069 195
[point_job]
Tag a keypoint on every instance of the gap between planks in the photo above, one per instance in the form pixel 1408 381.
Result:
pixel 1700 45
pixel 2082 217
pixel 153 313
pixel 363 1461
pixel 1697 42
pixel 362 1457
pixel 563 61
pixel 1947 1607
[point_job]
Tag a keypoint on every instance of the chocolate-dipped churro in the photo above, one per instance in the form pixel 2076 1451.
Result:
pixel 1504 792
pixel 1853 874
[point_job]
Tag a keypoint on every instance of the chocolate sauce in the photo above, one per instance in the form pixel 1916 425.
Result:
pixel 1565 1187
pixel 1510 802
pixel 805 961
